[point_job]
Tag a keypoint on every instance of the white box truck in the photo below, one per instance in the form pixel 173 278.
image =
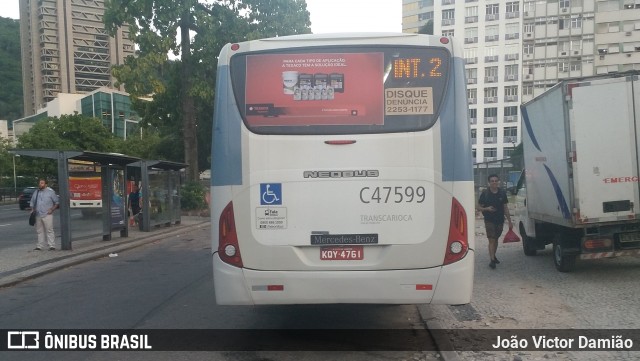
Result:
pixel 581 177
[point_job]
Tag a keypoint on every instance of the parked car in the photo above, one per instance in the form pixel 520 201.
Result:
pixel 25 197
pixel 206 174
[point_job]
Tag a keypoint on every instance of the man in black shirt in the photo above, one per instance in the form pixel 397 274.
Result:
pixel 493 204
pixel 134 202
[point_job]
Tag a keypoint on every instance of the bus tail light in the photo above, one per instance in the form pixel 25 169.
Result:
pixel 458 241
pixel 228 247
pixel 592 244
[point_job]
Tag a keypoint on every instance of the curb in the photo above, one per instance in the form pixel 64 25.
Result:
pixel 93 254
pixel 441 341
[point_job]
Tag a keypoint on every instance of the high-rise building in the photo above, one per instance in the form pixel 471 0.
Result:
pixel 490 31
pixel 571 39
pixel 558 43
pixel 617 38
pixel 66 49
pixel 516 49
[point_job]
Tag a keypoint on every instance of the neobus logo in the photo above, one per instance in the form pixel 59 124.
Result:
pixel 340 173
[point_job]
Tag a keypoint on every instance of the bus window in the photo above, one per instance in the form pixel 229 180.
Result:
pixel 369 89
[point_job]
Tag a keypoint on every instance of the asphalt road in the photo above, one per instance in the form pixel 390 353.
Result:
pixel 168 285
pixel 15 229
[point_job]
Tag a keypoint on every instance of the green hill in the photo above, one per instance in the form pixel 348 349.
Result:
pixel 11 106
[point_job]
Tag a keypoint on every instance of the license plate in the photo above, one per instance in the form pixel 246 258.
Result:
pixel 342 253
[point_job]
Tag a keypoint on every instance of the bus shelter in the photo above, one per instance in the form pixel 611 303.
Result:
pixel 88 184
pixel 160 183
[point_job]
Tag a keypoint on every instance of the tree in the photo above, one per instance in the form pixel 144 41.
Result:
pixel 518 151
pixel 9 162
pixel 204 27
pixel 146 145
pixel 517 156
pixel 426 28
pixel 6 162
pixel 69 132
pixel 11 106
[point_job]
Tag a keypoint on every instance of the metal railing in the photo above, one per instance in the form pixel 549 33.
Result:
pixel 9 195
pixel 508 169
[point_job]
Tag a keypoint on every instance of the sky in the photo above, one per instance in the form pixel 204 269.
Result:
pixel 10 9
pixel 330 16
pixel 327 16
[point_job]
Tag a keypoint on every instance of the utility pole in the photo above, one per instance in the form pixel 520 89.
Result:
pixel 15 183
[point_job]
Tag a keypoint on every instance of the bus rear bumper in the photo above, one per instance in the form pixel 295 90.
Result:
pixel 451 284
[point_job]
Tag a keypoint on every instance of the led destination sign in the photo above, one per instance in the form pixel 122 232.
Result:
pixel 415 68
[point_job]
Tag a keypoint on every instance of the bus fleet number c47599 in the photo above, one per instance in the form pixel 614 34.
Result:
pixel 392 194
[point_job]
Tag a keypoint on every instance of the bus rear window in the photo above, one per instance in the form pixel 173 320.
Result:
pixel 340 90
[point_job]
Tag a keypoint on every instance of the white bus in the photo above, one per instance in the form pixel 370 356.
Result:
pixel 342 171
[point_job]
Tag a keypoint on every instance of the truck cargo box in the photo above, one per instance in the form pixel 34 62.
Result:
pixel 580 142
pixel 581 151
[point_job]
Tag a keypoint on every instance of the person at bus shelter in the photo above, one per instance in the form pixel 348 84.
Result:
pixel 134 202
pixel 493 204
pixel 44 202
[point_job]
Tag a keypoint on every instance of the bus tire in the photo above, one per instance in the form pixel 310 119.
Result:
pixel 528 243
pixel 563 263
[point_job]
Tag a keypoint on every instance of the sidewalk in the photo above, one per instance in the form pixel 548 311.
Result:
pixel 21 263
pixel 511 298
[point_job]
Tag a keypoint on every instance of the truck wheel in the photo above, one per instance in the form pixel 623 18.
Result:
pixel 562 262
pixel 528 243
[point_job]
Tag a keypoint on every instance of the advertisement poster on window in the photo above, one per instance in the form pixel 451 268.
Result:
pixel 117 199
pixel 315 89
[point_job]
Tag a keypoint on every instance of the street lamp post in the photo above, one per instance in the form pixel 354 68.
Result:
pixel 15 179
pixel 15 183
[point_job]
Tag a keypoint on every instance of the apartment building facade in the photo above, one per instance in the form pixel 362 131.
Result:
pixel 559 43
pixel 575 38
pixel 516 50
pixel 617 38
pixel 66 49
pixel 490 31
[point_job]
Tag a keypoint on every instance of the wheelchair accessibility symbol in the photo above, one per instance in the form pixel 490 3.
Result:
pixel 270 193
